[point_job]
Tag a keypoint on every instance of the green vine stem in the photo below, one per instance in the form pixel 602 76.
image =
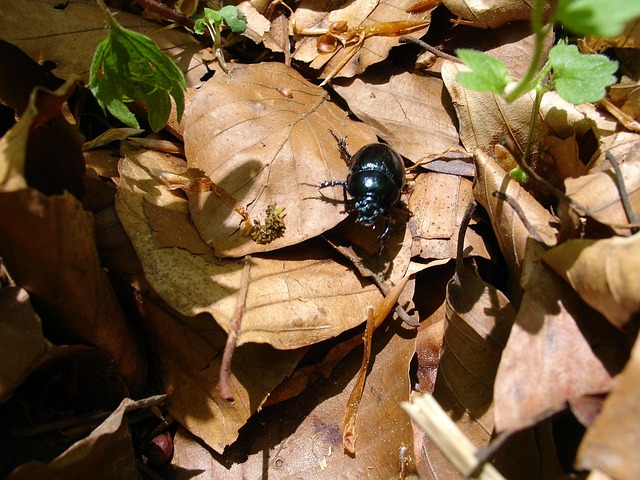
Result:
pixel 524 85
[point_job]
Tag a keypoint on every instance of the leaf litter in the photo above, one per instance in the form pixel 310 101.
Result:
pixel 541 317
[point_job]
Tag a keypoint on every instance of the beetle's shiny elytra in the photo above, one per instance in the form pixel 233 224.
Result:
pixel 374 183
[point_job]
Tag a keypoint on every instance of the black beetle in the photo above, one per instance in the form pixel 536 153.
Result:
pixel 374 183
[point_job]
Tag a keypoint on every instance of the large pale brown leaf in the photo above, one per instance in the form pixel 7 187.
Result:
pixel 263 148
pixel 609 444
pixel 296 297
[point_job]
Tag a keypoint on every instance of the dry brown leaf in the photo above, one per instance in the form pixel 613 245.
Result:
pixel 106 453
pixel 302 438
pixel 479 319
pixel 404 109
pixel 69 36
pixel 559 349
pixel 486 118
pixel 598 192
pixel 22 344
pixel 264 148
pixel 491 14
pixel 296 297
pixel 438 202
pixel 509 229
pixel 626 95
pixel 189 353
pixel 630 38
pixel 610 442
pixel 318 14
pixel 48 243
pixel 605 273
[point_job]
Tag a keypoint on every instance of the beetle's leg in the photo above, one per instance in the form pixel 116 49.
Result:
pixel 342 145
pixel 332 183
pixel 390 222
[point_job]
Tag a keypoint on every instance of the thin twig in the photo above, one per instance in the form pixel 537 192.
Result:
pixel 624 197
pixel 236 322
pixel 429 48
pixel 466 219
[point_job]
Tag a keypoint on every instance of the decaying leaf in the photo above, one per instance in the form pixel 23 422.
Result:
pixel 486 118
pixel 609 444
pixel 296 297
pixel 107 450
pixel 302 437
pixel 605 273
pixel 264 148
pixel 559 349
pixel 511 232
pixel 22 344
pixel 404 109
pixel 490 14
pixel 370 20
pixel 77 30
pixel 598 192
pixel 438 202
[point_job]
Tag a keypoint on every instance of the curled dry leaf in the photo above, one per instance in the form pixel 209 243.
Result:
pixel 404 109
pixel 598 192
pixel 359 19
pixel 22 344
pixel 510 231
pixel 559 349
pixel 107 450
pixel 490 14
pixel 48 243
pixel 605 273
pixel 264 148
pixel 609 443
pixel 296 297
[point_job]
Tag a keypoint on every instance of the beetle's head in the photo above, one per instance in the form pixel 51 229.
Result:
pixel 368 209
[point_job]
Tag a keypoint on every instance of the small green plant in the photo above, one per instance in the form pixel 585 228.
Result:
pixel 575 76
pixel 215 21
pixel 128 66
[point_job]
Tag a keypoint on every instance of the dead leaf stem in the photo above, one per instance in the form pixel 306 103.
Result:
pixel 624 197
pixel 520 212
pixel 429 48
pixel 581 210
pixel 236 322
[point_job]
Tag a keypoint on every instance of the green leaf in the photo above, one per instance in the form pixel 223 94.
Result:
pixel 578 77
pixel 198 26
pixel 212 16
pixel 605 18
pixel 129 66
pixel 234 18
pixel 488 73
